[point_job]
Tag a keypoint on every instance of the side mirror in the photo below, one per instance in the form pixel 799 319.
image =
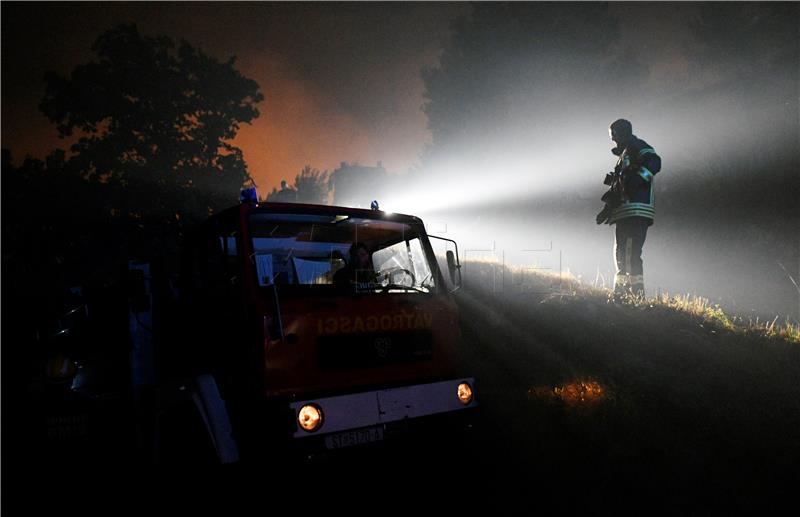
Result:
pixel 452 263
pixel 453 267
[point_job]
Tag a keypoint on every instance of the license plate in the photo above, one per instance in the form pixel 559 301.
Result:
pixel 355 437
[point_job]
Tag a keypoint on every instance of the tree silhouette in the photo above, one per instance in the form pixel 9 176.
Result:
pixel 753 50
pixel 57 233
pixel 153 123
pixel 754 41
pixel 310 186
pixel 156 120
pixel 510 66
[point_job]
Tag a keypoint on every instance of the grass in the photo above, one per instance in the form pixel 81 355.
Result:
pixel 702 309
pixel 665 397
pixel 495 277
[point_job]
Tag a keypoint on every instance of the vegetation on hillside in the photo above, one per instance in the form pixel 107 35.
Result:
pixel 496 278
pixel 664 403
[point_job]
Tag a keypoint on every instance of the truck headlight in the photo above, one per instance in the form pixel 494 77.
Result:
pixel 465 393
pixel 310 417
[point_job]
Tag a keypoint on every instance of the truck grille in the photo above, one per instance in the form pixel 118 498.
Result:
pixel 371 350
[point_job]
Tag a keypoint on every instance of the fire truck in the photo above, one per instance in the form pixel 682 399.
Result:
pixel 270 340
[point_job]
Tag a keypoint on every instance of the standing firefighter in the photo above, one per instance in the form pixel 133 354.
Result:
pixel 629 204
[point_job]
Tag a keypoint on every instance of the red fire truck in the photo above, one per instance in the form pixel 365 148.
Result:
pixel 298 327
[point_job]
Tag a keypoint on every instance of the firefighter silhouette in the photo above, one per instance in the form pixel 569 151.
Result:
pixel 630 205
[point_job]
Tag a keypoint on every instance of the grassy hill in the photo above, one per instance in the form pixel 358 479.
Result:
pixel 667 402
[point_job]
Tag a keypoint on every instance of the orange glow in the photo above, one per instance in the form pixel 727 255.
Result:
pixel 296 127
pixel 576 393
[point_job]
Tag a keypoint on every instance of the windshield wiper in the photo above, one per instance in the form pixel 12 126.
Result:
pixel 422 284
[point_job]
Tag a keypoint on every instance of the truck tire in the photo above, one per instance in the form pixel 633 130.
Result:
pixel 182 439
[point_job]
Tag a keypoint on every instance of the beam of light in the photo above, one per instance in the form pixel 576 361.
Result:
pixel 461 186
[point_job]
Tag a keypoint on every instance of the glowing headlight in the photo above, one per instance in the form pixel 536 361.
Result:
pixel 310 417
pixel 465 393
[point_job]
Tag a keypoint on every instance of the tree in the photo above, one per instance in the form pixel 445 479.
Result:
pixel 56 232
pixel 511 71
pixel 751 52
pixel 310 186
pixel 155 120
pixel 749 42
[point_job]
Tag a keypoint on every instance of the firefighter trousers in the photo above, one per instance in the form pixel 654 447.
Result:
pixel 628 242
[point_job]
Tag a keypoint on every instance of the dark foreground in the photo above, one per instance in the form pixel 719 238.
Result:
pixel 585 405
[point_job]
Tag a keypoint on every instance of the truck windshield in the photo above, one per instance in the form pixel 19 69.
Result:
pixel 365 255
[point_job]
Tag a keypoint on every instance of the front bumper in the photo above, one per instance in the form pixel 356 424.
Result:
pixel 387 406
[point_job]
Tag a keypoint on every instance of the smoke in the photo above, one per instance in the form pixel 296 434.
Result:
pixel 517 161
pixel 518 177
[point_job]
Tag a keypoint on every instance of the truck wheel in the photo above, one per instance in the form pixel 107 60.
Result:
pixel 182 439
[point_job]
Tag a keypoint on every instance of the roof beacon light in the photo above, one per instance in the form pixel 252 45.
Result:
pixel 374 205
pixel 248 195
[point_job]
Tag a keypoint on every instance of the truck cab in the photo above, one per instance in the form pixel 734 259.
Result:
pixel 312 328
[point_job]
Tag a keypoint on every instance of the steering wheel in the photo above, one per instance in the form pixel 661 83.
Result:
pixel 392 273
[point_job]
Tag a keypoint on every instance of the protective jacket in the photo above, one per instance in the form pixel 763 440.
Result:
pixel 636 167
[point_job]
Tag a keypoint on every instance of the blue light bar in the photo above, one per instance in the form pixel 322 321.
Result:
pixel 248 195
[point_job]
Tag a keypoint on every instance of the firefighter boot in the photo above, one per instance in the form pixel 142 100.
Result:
pixel 637 286
pixel 621 283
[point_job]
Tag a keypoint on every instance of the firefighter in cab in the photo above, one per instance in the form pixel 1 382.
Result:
pixel 359 271
pixel 629 205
